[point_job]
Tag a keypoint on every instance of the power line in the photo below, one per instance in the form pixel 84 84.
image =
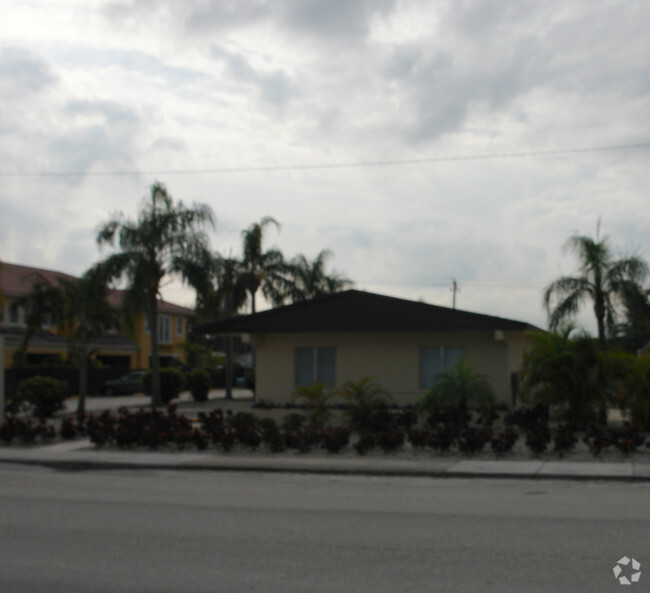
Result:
pixel 317 166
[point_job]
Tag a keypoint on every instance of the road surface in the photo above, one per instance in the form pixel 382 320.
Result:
pixel 194 532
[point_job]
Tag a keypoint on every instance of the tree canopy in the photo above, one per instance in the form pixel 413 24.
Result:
pixel 602 280
pixel 165 240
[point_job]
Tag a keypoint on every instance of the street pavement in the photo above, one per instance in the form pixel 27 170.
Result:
pixel 160 531
pixel 82 454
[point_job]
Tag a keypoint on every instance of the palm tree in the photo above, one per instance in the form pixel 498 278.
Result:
pixel 455 389
pixel 309 279
pixel 265 270
pixel 318 396
pixel 163 241
pixel 634 332
pixel 42 303
pixel 87 313
pixel 364 398
pixel 571 371
pixel 222 298
pixel 601 280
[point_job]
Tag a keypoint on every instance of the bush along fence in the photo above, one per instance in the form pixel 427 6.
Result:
pixel 388 431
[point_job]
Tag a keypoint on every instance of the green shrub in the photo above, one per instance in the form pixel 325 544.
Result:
pixel 293 421
pixel 335 438
pixel 198 382
pixel 44 393
pixel 171 383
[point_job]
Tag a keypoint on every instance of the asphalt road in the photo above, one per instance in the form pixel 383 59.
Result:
pixel 187 532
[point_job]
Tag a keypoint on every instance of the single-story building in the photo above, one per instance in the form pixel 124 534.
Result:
pixel 402 345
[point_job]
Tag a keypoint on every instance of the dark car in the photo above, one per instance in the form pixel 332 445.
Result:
pixel 125 385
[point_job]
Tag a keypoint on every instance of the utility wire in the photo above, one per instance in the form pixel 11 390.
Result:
pixel 317 166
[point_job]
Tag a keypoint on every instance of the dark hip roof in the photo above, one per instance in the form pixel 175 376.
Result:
pixel 357 311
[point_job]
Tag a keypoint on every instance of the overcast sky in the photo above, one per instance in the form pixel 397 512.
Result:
pixel 278 89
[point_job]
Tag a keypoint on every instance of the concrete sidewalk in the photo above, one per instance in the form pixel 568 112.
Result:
pixel 82 455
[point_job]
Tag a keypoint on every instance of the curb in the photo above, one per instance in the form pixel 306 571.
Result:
pixel 305 468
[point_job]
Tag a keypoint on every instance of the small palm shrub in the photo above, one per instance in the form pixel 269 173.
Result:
pixel 452 394
pixel 198 382
pixel 366 404
pixel 172 382
pixel 317 397
pixel 44 393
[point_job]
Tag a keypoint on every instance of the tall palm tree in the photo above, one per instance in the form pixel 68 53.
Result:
pixel 164 241
pixel 309 279
pixel 87 313
pixel 42 303
pixel 221 298
pixel 265 270
pixel 601 280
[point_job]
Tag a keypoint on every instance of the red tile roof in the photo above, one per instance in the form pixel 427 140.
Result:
pixel 116 296
pixel 16 280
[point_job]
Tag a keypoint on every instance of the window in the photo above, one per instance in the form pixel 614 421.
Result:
pixel 14 315
pixel 179 325
pixel 164 329
pixel 315 365
pixel 434 359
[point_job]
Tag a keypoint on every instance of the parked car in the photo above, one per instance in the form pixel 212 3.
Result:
pixel 125 385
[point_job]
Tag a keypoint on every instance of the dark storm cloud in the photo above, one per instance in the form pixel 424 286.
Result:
pixel 23 72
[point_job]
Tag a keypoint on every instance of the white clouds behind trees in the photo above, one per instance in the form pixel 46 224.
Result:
pixel 160 85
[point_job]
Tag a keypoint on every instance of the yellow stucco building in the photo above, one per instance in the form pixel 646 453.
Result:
pixel 117 348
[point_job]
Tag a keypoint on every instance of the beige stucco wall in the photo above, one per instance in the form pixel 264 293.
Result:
pixel 391 359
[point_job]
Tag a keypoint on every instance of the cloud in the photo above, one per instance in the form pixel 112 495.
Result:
pixel 94 132
pixel 327 20
pixel 332 19
pixel 273 87
pixel 23 73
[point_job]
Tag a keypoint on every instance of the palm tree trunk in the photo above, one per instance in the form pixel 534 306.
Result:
pixel 83 375
pixel 156 399
pixel 599 310
pixel 229 345
pixel 229 367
